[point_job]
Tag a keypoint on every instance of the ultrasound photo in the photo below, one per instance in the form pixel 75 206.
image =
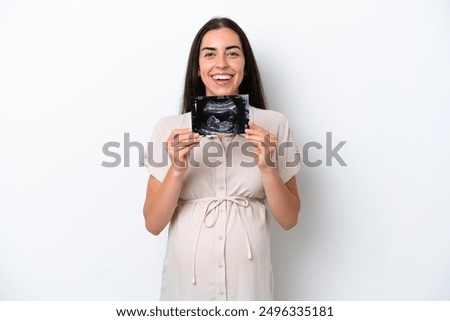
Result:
pixel 220 115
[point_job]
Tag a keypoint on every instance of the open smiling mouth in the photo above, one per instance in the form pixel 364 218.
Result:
pixel 222 77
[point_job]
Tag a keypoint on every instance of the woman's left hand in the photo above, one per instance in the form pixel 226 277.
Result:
pixel 265 143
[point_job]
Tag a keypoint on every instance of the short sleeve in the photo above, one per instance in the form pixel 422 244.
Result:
pixel 156 158
pixel 288 156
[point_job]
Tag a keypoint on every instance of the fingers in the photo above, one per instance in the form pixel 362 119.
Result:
pixel 251 124
pixel 255 130
pixel 260 135
pixel 181 153
pixel 183 138
pixel 179 143
pixel 265 143
pixel 180 133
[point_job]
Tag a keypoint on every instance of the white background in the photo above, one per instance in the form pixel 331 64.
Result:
pixel 75 75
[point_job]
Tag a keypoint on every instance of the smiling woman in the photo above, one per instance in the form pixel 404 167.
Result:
pixel 221 62
pixel 219 244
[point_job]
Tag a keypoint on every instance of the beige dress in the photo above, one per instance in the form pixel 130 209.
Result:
pixel 218 244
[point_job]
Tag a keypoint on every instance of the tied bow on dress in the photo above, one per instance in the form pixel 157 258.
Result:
pixel 209 222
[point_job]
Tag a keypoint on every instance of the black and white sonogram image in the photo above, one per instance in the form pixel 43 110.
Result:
pixel 220 115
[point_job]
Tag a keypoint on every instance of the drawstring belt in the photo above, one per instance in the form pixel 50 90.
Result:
pixel 214 202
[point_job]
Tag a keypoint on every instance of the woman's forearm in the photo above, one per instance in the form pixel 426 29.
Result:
pixel 162 199
pixel 282 198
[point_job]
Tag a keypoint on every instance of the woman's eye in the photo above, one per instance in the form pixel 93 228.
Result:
pixel 234 54
pixel 209 54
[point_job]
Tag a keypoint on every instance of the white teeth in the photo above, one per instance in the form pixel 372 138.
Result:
pixel 222 77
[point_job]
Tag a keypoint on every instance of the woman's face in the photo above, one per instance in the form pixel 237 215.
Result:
pixel 221 62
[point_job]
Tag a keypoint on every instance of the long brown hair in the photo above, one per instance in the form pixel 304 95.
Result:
pixel 251 84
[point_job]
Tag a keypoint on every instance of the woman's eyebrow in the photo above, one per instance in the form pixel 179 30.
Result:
pixel 227 48
pixel 233 47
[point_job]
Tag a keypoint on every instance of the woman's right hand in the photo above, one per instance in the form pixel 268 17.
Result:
pixel 179 143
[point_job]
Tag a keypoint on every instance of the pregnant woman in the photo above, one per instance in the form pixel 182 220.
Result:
pixel 213 193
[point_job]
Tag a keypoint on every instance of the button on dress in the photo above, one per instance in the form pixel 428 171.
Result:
pixel 218 245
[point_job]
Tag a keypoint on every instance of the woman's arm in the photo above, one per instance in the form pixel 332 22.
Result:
pixel 283 199
pixel 162 197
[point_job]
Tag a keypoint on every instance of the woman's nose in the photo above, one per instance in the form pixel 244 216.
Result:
pixel 221 61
